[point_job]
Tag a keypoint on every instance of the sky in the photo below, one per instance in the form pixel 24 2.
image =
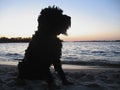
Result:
pixel 90 19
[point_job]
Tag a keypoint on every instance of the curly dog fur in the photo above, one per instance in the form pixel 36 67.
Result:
pixel 44 49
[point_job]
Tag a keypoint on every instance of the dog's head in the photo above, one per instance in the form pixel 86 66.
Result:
pixel 52 21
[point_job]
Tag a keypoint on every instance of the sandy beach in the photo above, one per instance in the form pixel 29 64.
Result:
pixel 84 78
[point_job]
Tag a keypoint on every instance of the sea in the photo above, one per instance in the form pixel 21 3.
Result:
pixel 80 53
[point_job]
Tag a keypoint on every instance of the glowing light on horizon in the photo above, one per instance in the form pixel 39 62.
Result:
pixel 91 20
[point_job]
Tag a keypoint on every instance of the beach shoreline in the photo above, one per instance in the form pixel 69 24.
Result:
pixel 84 78
pixel 68 67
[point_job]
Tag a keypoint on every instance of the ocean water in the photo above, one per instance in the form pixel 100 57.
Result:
pixel 87 53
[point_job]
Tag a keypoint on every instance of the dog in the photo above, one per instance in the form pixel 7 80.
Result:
pixel 44 49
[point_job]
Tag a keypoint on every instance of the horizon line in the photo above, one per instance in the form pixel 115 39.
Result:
pixel 22 38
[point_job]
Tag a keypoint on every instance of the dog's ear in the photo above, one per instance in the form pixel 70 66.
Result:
pixel 66 24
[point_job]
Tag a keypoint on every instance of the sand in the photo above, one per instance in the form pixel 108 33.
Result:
pixel 84 78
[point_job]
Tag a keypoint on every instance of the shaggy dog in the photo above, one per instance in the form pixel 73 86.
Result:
pixel 44 49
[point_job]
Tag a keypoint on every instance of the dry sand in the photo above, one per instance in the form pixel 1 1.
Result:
pixel 84 78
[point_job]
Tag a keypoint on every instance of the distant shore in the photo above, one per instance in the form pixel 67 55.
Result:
pixel 28 39
pixel 14 40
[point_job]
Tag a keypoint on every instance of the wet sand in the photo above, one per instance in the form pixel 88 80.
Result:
pixel 84 78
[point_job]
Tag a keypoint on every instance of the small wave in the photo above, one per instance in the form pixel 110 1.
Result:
pixel 11 54
pixel 98 52
pixel 105 53
pixel 93 63
pixel 14 56
pixel 116 52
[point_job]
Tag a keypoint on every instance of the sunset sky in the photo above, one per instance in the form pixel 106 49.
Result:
pixel 91 19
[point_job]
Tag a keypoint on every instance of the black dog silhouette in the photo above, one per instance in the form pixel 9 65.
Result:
pixel 44 49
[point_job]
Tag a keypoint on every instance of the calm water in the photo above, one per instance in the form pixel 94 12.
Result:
pixel 95 52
